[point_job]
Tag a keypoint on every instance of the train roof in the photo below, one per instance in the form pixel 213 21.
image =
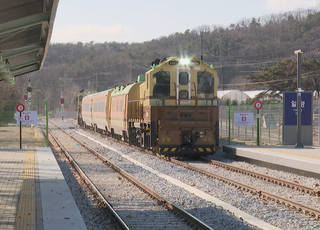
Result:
pixel 121 90
pixel 87 92
pixel 177 60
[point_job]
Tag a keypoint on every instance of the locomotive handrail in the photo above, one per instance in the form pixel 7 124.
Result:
pixel 162 100
pixel 178 111
pixel 175 88
pixel 196 100
pixel 177 102
pixel 211 110
pixel 157 109
pixel 158 115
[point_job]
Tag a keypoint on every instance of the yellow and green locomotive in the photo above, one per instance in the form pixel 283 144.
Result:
pixel 171 109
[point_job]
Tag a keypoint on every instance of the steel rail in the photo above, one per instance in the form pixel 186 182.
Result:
pixel 288 184
pixel 90 183
pixel 198 223
pixel 260 193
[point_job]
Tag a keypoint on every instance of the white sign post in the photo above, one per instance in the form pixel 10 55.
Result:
pixel 243 119
pixel 28 118
pixel 20 108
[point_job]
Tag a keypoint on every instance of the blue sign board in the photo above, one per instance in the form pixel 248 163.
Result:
pixel 290 108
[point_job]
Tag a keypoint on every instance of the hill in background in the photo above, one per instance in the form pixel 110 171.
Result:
pixel 234 52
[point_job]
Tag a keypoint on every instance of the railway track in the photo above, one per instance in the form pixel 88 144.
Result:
pixel 297 203
pixel 300 206
pixel 151 211
pixel 264 177
pixel 266 209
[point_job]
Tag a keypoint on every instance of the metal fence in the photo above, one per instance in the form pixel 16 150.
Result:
pixel 270 124
pixel 8 110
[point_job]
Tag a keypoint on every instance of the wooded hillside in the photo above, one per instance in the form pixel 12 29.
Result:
pixel 235 52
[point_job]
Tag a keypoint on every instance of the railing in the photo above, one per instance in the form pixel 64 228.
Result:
pixel 162 106
pixel 270 124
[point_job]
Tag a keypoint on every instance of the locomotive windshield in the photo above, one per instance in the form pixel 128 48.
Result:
pixel 183 78
pixel 205 84
pixel 161 87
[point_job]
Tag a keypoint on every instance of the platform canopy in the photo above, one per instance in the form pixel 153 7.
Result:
pixel 25 32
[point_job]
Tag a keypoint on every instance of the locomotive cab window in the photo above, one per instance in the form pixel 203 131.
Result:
pixel 183 78
pixel 205 82
pixel 161 82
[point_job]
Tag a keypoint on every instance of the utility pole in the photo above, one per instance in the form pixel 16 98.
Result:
pixel 222 77
pixel 310 45
pixel 218 42
pixel 96 80
pixel 201 46
pixel 130 71
pixel 298 144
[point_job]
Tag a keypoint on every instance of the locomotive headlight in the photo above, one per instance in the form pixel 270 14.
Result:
pixel 185 61
pixel 183 94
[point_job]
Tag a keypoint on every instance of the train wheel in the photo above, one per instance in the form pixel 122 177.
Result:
pixel 125 136
pixel 108 133
pixel 146 140
pixel 105 131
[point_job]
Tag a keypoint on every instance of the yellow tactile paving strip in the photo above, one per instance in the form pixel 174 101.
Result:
pixel 11 173
pixel 26 215
pixel 291 153
pixel 18 179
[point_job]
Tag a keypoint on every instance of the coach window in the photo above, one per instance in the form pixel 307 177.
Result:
pixel 205 82
pixel 86 107
pixel 161 81
pixel 183 78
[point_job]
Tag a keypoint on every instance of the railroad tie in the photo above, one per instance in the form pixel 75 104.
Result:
pixel 26 213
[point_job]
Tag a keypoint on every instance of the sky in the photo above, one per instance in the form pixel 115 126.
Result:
pixel 143 20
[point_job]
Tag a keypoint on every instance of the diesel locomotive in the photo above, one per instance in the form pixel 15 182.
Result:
pixel 172 109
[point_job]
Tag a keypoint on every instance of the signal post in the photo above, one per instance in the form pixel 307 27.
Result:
pixel 258 106
pixel 62 103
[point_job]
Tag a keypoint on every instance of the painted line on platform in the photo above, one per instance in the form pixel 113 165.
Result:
pixel 291 153
pixel 26 219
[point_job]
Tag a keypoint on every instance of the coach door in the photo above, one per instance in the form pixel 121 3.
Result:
pixel 91 111
pixel 183 91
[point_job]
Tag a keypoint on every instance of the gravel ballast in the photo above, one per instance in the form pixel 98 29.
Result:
pixel 214 215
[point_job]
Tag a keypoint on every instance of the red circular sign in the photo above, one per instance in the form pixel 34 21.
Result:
pixel 258 104
pixel 20 108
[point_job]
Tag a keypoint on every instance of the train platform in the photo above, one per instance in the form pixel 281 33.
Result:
pixel 33 192
pixel 303 161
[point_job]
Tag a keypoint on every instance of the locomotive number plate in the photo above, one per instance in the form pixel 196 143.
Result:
pixel 173 63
